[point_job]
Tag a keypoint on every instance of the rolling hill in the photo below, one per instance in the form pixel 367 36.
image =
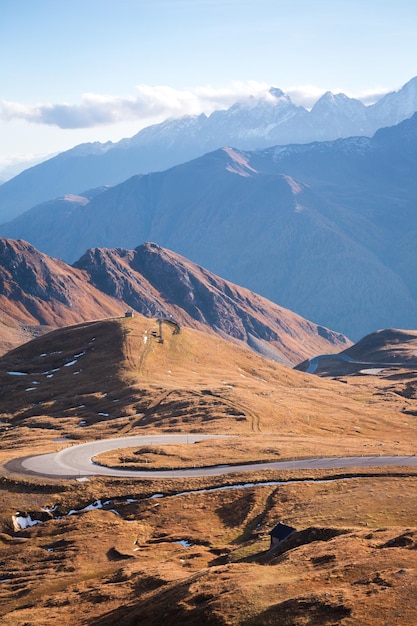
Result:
pixel 383 353
pixel 118 376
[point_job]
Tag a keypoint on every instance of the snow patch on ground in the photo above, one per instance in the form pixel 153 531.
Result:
pixel 71 363
pixel 97 504
pixel 21 522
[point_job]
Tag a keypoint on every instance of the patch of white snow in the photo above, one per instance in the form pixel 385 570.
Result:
pixel 70 363
pixel 184 543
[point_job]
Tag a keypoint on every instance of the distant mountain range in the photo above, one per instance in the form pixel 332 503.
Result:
pixel 249 125
pixel 38 293
pixel 325 229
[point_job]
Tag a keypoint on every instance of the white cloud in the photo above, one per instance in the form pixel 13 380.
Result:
pixel 154 103
pixel 150 102
pixel 372 95
pixel 307 95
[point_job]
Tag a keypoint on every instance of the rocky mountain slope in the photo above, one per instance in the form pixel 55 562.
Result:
pixel 159 283
pixel 39 293
pixel 247 125
pixel 326 229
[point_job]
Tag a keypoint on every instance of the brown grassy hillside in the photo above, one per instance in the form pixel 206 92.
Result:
pixel 118 377
pixel 201 558
pixel 197 553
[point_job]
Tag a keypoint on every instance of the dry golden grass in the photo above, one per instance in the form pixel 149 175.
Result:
pixel 192 382
pixel 139 572
pixel 100 568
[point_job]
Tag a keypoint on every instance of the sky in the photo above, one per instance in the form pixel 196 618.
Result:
pixel 100 70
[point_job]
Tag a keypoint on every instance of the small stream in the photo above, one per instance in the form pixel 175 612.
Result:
pixel 23 520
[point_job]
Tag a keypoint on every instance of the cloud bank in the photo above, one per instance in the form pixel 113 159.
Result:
pixel 152 103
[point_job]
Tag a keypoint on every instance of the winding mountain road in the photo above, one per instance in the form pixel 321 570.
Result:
pixel 76 461
pixel 315 361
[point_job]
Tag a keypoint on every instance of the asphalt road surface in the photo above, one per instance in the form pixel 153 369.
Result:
pixel 76 461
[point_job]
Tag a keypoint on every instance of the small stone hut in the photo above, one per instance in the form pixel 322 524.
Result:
pixel 279 533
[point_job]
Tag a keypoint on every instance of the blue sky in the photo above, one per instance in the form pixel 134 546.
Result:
pixel 97 70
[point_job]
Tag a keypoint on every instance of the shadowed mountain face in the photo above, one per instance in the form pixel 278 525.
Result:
pixel 327 230
pixel 39 293
pixel 158 282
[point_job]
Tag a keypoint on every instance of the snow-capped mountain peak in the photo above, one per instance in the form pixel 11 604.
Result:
pixel 256 122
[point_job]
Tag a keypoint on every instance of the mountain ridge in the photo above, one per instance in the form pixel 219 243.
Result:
pixel 160 283
pixel 248 125
pixel 38 293
pixel 297 224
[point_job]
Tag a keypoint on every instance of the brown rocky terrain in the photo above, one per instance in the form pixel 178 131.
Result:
pixel 158 282
pixel 39 293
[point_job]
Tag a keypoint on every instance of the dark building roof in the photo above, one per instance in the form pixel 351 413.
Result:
pixel 281 531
